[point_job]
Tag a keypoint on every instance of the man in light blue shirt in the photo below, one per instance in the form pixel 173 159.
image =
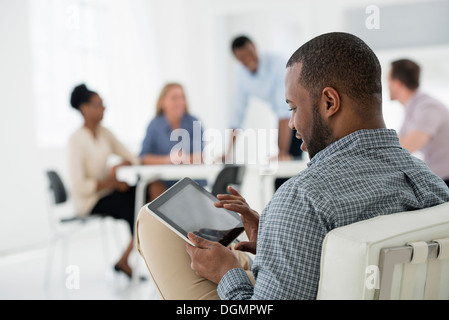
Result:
pixel 262 76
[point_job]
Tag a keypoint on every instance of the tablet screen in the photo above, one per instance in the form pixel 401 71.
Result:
pixel 187 207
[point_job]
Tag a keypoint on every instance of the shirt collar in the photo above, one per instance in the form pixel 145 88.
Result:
pixel 362 139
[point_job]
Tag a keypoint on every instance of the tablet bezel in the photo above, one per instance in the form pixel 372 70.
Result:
pixel 153 206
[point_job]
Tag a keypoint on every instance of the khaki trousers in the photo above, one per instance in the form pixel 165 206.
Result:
pixel 166 258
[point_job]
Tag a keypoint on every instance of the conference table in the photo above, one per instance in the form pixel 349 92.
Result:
pixel 257 187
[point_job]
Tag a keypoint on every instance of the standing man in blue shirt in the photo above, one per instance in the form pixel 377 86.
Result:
pixel 261 76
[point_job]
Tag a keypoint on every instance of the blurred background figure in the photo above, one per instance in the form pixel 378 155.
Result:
pixel 426 124
pixel 172 113
pixel 262 75
pixel 95 188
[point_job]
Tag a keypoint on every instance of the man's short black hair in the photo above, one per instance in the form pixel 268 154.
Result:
pixel 341 61
pixel 239 42
pixel 407 72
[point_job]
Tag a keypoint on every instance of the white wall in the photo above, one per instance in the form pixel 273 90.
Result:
pixel 21 205
pixel 188 41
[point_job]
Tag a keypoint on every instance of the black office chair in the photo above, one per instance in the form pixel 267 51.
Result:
pixel 62 228
pixel 57 187
pixel 230 175
pixel 59 195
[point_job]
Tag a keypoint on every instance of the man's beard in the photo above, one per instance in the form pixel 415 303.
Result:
pixel 321 135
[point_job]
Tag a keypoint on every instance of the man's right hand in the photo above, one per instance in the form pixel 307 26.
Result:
pixel 250 218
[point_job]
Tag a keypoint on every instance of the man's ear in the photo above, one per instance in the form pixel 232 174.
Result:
pixel 331 102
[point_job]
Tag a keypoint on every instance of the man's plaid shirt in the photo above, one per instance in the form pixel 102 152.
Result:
pixel 362 175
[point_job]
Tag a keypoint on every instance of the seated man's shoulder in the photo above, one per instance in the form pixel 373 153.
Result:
pixel 308 184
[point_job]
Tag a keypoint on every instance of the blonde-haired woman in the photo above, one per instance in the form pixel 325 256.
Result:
pixel 158 147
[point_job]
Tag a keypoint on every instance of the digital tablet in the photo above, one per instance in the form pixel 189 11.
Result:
pixel 188 207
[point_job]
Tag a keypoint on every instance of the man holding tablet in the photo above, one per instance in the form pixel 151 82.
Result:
pixel 358 170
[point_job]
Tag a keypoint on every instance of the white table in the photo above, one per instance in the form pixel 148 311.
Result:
pixel 258 181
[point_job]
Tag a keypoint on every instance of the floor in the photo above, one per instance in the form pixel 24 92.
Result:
pixel 79 267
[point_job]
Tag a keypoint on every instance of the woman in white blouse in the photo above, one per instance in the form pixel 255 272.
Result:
pixel 95 188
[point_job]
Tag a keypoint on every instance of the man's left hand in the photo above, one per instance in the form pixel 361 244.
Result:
pixel 210 259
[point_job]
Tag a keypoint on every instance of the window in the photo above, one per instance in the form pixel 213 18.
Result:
pixel 106 44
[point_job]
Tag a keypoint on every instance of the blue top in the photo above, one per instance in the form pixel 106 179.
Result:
pixel 161 138
pixel 266 84
pixel 360 176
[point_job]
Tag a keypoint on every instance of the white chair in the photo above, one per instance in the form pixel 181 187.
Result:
pixel 398 256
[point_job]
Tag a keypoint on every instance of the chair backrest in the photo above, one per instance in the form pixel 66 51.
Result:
pixel 230 175
pixel 57 187
pixel 398 256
